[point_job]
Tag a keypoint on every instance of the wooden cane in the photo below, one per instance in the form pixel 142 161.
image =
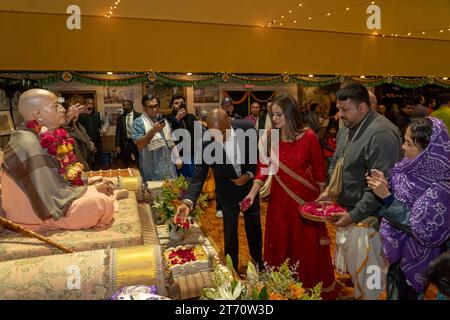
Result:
pixel 19 229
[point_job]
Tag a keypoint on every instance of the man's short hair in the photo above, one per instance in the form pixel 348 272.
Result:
pixel 127 101
pixel 149 97
pixel 408 102
pixel 176 98
pixel 355 92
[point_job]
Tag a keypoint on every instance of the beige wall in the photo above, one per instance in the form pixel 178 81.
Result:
pixel 42 42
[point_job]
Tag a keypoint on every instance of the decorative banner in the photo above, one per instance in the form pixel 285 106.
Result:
pixel 225 77
pixel 152 77
pixel 286 78
pixel 66 76
pixel 203 80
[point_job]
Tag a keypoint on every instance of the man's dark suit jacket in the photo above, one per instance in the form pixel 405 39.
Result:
pixel 121 130
pixel 228 193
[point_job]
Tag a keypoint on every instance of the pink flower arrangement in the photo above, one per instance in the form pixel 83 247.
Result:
pixel 186 224
pixel 60 145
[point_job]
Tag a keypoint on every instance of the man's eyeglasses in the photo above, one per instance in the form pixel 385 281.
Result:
pixel 152 107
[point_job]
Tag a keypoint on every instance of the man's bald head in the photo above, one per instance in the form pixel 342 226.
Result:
pixel 218 119
pixel 34 99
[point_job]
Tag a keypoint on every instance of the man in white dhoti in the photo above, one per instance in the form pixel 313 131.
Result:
pixel 367 141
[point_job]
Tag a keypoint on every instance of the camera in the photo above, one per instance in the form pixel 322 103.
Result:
pixel 182 105
pixel 160 118
pixel 369 173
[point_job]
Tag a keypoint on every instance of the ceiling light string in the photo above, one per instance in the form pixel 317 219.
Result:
pixel 281 20
pixel 112 8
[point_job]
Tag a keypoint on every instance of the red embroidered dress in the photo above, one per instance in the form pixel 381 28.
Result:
pixel 287 234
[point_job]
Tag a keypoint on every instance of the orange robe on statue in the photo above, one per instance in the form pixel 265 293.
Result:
pixel 92 209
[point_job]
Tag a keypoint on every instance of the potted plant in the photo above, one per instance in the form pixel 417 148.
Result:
pixel 172 192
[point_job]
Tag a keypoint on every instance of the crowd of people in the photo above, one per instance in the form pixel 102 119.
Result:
pixel 387 220
pixel 391 175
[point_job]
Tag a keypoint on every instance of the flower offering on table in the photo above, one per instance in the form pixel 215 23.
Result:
pixel 172 192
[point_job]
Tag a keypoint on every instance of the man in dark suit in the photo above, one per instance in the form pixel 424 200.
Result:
pixel 233 173
pixel 125 147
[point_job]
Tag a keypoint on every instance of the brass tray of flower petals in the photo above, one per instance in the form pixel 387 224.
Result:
pixel 187 259
pixel 320 210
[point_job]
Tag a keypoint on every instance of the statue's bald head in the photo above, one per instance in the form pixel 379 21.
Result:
pixel 33 100
pixel 42 106
pixel 218 119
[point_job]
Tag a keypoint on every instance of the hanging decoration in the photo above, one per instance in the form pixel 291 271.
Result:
pixel 293 15
pixel 152 77
pixel 289 17
pixel 286 78
pixel 66 76
pixel 204 80
pixel 225 77
pixel 111 9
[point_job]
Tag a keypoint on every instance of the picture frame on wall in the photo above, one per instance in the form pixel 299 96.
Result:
pixel 207 95
pixel 6 123
pixel 114 96
pixel 74 97
pixel 164 93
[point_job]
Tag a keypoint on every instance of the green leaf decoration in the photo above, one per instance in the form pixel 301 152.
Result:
pixel 263 294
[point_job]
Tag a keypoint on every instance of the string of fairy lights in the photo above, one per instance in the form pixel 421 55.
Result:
pixel 289 18
pixel 112 9
pixel 285 17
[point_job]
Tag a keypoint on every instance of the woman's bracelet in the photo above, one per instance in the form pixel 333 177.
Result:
pixel 256 181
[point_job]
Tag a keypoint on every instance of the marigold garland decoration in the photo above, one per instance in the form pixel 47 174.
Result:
pixel 60 146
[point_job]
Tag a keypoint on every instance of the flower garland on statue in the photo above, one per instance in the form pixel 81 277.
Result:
pixel 60 145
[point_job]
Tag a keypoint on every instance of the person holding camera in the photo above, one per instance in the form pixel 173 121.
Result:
pixel 181 119
pixel 158 155
pixel 228 105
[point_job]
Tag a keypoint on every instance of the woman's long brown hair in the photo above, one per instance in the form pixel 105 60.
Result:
pixel 292 116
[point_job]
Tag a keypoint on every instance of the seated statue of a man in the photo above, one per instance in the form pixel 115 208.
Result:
pixel 42 184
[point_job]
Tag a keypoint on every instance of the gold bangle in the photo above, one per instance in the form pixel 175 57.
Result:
pixel 257 181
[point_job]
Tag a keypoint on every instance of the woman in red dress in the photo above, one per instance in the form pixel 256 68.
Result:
pixel 300 177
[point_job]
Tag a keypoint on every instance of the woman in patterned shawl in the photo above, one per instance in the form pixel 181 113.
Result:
pixel 416 224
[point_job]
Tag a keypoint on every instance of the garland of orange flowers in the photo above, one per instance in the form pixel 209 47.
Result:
pixel 60 145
